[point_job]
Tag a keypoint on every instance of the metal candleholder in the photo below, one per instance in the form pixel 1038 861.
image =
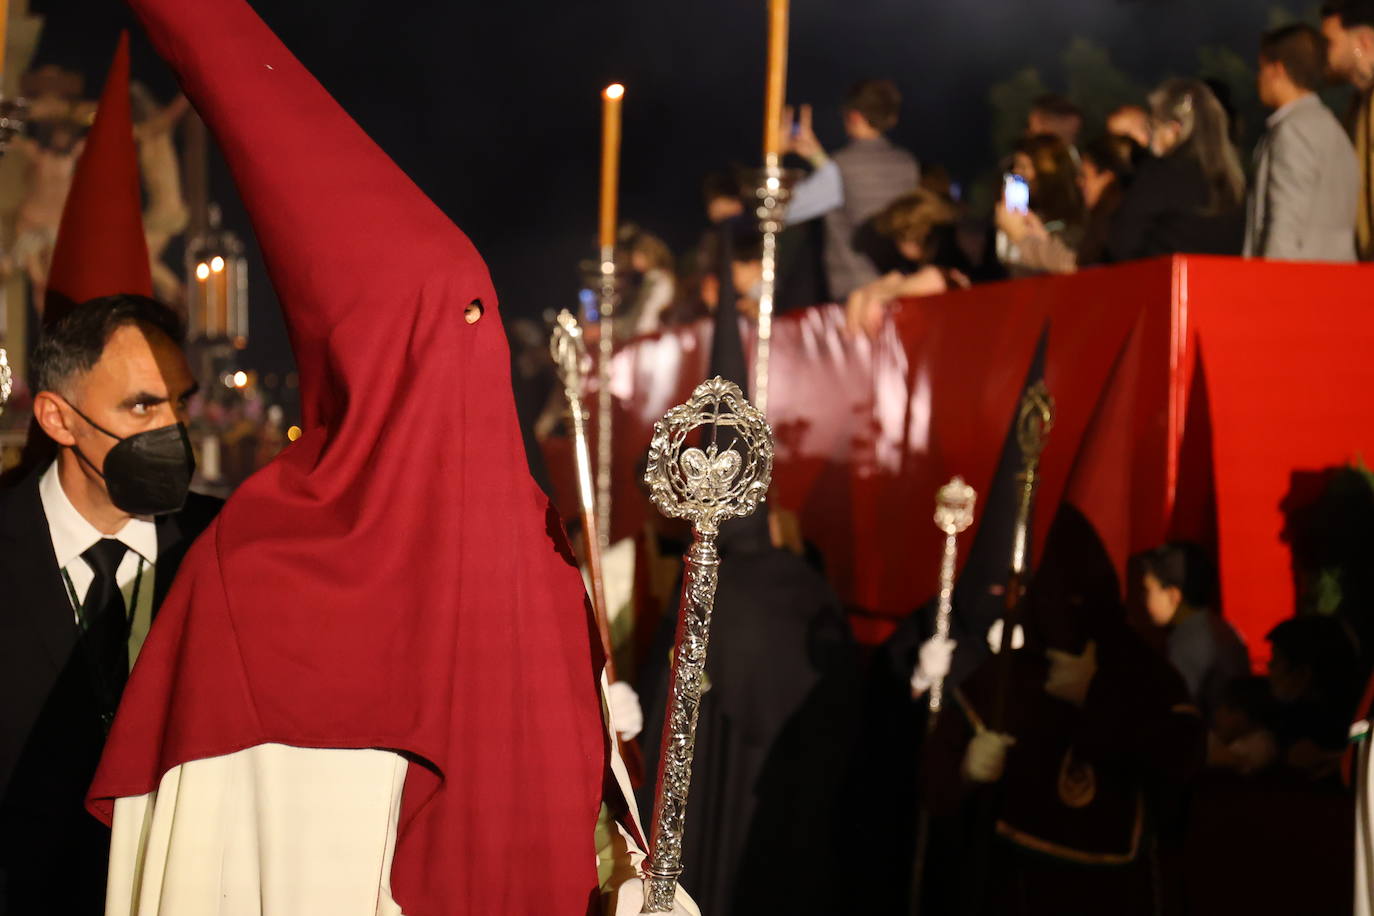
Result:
pixel 772 193
pixel 604 403
pixel 6 378
pixel 726 477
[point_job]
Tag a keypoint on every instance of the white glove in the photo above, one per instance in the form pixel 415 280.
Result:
pixel 986 756
pixel 932 664
pixel 1018 636
pixel 629 900
pixel 1071 675
pixel 626 715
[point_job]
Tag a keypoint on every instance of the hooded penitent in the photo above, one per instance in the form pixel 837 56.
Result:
pixel 100 248
pixel 394 579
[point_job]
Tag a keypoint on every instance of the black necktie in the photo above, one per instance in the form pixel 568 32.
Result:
pixel 107 625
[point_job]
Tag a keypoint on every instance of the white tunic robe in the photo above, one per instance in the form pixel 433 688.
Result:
pixel 276 830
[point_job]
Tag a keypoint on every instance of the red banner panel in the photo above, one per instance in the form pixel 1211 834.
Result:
pixel 1210 379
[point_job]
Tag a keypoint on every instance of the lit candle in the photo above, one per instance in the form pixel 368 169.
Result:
pixel 777 80
pixel 610 160
pixel 4 35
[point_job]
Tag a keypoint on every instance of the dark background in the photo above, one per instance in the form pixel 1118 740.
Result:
pixel 493 107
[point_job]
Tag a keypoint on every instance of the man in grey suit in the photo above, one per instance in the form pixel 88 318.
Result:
pixel 874 172
pixel 1307 181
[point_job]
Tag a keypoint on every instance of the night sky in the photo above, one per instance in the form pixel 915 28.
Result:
pixel 492 107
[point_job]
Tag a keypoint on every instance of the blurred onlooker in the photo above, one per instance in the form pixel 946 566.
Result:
pixel 651 260
pixel 1105 171
pixel 1189 197
pixel 1242 736
pixel 1180 585
pixel 1049 169
pixel 1302 203
pixel 746 270
pixel 722 194
pixel 1314 673
pixel 874 172
pixel 914 231
pixel 917 227
pixel 1130 121
pixel 1348 26
pixel 821 190
pixel 1054 114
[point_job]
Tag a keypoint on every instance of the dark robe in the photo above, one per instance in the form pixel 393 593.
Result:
pixel 887 764
pixel 1071 827
pixel 764 825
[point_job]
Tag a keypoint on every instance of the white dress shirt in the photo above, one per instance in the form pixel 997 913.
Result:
pixel 72 535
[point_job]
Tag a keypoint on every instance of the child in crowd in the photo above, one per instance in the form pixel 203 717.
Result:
pixel 1180 588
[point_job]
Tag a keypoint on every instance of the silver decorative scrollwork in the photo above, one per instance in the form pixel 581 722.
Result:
pixel 723 476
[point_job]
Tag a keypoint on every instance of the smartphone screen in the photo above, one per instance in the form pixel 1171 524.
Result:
pixel 1015 193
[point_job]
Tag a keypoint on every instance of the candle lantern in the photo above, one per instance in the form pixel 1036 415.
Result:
pixel 217 286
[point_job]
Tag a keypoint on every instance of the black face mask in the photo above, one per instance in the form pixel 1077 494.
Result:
pixel 148 473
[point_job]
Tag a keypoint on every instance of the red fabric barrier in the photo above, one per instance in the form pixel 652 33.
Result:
pixel 1229 374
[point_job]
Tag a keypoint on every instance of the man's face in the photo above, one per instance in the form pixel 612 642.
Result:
pixel 748 275
pixel 719 209
pixel 911 250
pixel 1092 181
pixel 1340 56
pixel 1160 603
pixel 1267 78
pixel 1349 52
pixel 1164 136
pixel 1130 122
pixel 141 382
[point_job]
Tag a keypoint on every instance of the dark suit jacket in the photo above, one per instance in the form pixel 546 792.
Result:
pixel 52 853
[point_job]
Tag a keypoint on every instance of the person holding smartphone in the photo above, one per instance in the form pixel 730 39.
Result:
pixel 1102 178
pixel 1042 184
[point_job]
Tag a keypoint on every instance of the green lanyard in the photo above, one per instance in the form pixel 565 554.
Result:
pixel 79 612
pixel 106 696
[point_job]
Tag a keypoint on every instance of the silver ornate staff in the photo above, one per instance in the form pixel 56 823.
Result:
pixel 569 351
pixel 725 477
pixel 953 514
pixel 773 192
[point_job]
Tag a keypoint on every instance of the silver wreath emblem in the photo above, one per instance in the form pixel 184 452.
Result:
pixel 726 473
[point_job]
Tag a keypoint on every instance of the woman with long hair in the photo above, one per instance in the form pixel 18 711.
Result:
pixel 1190 196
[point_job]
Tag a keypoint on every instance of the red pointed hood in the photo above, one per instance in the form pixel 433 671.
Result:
pixel 100 247
pixel 394 578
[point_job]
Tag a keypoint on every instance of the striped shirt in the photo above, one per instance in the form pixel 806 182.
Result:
pixel 874 173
